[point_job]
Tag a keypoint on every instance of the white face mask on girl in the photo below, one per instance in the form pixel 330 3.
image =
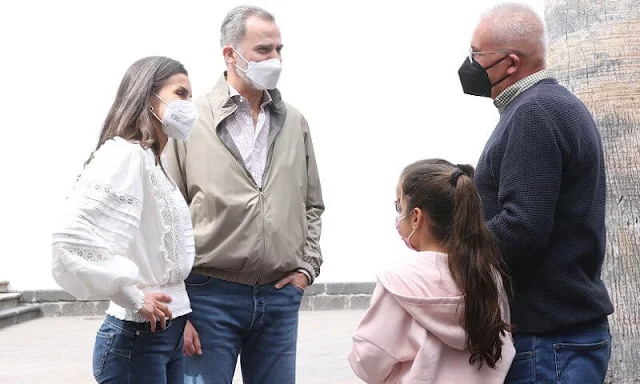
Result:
pixel 262 74
pixel 178 119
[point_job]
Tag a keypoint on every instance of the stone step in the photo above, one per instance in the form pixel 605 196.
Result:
pixel 4 286
pixel 9 300
pixel 19 314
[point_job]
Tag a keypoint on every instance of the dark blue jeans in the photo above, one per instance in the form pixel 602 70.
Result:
pixel 126 352
pixel 259 323
pixel 578 355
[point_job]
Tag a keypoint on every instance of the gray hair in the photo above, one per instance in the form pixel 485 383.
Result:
pixel 515 23
pixel 234 25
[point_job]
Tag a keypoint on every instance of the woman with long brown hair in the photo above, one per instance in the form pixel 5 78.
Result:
pixel 443 315
pixel 126 233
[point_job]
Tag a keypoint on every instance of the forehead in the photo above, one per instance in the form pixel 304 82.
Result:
pixel 480 40
pixel 399 190
pixel 260 30
pixel 179 79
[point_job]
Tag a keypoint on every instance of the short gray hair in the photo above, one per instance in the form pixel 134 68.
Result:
pixel 515 23
pixel 234 25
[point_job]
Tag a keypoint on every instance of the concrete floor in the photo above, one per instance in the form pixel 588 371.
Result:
pixel 58 350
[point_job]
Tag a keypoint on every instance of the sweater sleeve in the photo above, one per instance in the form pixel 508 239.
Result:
pixel 379 343
pixel 99 222
pixel 529 184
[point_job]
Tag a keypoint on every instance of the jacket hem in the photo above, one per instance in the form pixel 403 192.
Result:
pixel 239 277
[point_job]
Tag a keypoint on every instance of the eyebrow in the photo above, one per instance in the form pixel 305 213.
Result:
pixel 267 46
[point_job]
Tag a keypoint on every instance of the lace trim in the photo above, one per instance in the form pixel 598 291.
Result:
pixel 172 241
pixel 107 196
pixel 88 254
pixel 110 192
pixel 83 224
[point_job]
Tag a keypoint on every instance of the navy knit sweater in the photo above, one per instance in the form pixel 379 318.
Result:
pixel 541 177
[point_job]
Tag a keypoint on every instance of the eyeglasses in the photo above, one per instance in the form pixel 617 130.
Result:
pixel 473 53
pixel 398 206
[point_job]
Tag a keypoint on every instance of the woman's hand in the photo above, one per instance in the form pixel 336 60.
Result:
pixel 155 309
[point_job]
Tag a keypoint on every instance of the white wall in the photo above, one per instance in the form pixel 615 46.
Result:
pixel 378 84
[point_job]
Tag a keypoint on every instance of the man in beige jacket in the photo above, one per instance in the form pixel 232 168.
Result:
pixel 249 174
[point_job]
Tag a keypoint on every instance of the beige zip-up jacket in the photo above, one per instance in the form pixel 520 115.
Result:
pixel 245 234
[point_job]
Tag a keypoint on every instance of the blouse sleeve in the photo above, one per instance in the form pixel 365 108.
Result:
pixel 98 225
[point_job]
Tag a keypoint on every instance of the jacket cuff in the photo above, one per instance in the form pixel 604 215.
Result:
pixel 306 273
pixel 308 270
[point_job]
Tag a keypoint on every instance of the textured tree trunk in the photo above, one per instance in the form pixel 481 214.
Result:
pixel 594 49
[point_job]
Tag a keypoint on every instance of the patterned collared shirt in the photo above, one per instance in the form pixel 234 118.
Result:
pixel 251 140
pixel 508 95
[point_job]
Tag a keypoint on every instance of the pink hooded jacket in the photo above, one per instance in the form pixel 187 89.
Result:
pixel 412 333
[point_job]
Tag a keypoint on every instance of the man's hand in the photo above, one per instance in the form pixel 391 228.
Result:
pixel 191 341
pixel 298 279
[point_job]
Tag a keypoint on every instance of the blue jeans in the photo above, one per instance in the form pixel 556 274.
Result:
pixel 259 323
pixel 577 355
pixel 128 352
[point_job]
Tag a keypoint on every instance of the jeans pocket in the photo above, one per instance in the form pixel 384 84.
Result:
pixel 298 289
pixel 582 362
pixel 101 352
pixel 197 280
pixel 523 369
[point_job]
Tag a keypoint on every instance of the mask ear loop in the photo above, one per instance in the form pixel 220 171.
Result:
pixel 245 60
pixel 160 98
pixel 493 65
pixel 153 112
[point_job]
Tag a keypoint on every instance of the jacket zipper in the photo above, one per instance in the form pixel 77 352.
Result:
pixel 265 175
pixel 264 236
pixel 262 214
pixel 260 193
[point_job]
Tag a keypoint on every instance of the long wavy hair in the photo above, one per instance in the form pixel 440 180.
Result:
pixel 447 194
pixel 129 116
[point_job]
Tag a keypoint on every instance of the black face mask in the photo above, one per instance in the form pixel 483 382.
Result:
pixel 475 80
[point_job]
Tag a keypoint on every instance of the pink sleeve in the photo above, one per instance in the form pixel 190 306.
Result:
pixel 379 342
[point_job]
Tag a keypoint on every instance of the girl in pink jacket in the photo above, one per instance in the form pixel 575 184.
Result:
pixel 442 316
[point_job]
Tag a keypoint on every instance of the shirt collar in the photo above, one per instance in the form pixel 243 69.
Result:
pixel 235 95
pixel 508 95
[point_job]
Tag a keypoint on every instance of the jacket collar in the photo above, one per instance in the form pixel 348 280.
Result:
pixel 222 104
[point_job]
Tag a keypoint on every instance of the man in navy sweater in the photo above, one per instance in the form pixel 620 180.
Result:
pixel 541 177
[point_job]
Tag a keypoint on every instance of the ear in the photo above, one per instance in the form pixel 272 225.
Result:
pixel 418 218
pixel 516 62
pixel 228 54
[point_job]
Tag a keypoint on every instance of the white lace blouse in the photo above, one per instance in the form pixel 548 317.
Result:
pixel 126 231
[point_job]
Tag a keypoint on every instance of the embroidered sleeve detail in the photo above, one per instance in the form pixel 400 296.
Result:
pixel 85 253
pixel 91 244
pixel 109 197
pixel 173 242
